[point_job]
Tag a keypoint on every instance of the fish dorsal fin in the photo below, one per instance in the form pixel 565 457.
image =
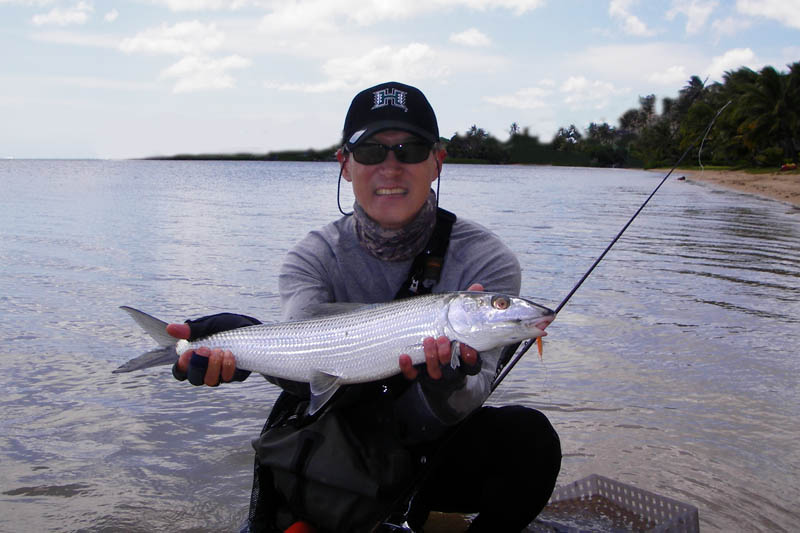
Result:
pixel 323 386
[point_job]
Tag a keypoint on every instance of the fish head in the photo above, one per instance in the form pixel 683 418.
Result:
pixel 486 320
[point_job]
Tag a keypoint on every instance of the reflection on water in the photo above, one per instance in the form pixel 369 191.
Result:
pixel 672 368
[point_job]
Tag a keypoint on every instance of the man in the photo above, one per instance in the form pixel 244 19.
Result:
pixel 500 462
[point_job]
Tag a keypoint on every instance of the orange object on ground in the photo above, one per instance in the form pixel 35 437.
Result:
pixel 301 527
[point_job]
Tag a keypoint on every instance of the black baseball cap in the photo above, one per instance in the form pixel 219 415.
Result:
pixel 389 106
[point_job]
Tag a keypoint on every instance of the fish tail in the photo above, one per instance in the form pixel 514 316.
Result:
pixel 160 356
pixel 165 354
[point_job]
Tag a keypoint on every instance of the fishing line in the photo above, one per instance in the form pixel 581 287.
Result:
pixel 528 343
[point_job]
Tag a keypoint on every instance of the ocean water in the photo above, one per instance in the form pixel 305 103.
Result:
pixel 674 368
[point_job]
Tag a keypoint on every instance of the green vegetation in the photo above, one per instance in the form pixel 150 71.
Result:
pixel 759 129
pixel 326 154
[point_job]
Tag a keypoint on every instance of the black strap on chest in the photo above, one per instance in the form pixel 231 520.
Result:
pixel 427 266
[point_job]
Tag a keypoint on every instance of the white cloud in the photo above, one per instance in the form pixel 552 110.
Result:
pixel 312 15
pixel 206 5
pixel 86 82
pixel 307 17
pixel 631 24
pixel 731 25
pixel 470 37
pixel 197 73
pixel 412 63
pixel 111 16
pixel 674 75
pixel 525 98
pixel 730 60
pixel 696 11
pixel 582 93
pixel 77 14
pixel 322 87
pixel 76 38
pixel 192 37
pixel 416 61
pixel 629 62
pixel 789 55
pixel 783 11
pixel 352 6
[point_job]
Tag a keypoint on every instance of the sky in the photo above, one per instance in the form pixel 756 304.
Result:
pixel 139 78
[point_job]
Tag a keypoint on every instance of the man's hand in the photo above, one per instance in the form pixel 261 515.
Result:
pixel 438 353
pixel 205 366
pixel 221 364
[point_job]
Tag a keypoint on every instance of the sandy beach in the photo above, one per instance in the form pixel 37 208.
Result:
pixel 783 186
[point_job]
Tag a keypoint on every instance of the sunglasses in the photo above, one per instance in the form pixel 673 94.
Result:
pixel 408 152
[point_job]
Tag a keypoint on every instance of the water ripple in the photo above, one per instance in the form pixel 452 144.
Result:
pixel 671 369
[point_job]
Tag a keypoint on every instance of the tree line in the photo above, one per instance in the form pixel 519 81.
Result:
pixel 759 128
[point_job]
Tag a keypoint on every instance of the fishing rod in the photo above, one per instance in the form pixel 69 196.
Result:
pixel 528 343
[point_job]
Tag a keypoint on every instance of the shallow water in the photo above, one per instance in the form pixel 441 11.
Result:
pixel 673 368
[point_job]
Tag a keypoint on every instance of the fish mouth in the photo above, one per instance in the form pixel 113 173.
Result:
pixel 539 322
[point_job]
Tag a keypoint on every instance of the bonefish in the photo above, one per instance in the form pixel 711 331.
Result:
pixel 359 345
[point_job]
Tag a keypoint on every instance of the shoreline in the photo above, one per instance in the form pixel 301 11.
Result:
pixel 781 186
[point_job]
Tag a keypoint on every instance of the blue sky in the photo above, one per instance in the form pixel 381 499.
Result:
pixel 88 79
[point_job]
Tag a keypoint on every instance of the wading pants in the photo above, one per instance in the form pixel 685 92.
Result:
pixel 502 463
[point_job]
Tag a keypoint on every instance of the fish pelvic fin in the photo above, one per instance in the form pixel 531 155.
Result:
pixel 323 386
pixel 165 354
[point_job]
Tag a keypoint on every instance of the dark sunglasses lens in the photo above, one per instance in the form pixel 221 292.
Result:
pixel 370 154
pixel 412 152
pixel 373 153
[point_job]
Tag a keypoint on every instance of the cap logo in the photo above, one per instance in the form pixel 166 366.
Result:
pixel 390 96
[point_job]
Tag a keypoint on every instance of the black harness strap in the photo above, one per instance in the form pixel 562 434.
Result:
pixel 427 266
pixel 266 504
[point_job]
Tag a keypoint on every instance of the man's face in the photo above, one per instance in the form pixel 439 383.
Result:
pixel 391 192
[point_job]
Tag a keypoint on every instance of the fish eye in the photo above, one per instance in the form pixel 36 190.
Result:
pixel 500 302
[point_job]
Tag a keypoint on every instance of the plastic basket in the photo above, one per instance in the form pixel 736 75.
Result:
pixel 597 503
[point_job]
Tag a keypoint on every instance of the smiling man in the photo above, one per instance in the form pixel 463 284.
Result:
pixel 422 440
pixel 391 154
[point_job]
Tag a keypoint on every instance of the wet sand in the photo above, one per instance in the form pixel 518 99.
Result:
pixel 783 186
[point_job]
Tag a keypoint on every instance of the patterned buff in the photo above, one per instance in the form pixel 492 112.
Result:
pixel 396 244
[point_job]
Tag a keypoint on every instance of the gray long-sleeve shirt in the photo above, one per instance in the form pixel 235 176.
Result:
pixel 329 265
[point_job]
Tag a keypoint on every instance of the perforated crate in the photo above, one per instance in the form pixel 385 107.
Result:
pixel 597 503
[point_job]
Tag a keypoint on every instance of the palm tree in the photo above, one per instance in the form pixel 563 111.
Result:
pixel 772 119
pixel 794 103
pixel 729 146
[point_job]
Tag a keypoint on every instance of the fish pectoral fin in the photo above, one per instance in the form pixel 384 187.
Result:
pixel 323 386
pixel 455 354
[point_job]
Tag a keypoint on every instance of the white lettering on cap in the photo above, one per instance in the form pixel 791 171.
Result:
pixel 390 96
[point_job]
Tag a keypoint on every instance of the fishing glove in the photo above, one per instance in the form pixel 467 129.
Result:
pixel 452 378
pixel 203 327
